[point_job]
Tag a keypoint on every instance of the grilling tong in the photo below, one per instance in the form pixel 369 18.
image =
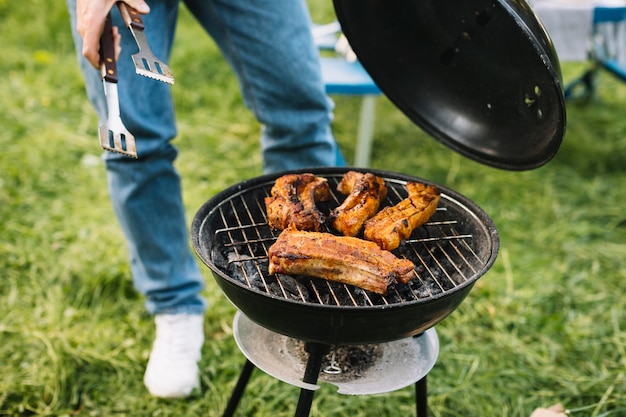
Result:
pixel 113 135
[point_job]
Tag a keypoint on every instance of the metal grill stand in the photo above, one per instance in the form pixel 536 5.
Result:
pixel 401 364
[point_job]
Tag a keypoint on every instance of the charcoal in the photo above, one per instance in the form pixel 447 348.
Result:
pixel 292 288
pixel 425 289
pixel 352 360
pixel 360 296
pixel 245 270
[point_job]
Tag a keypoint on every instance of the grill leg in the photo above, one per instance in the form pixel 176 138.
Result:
pixel 244 377
pixel 316 353
pixel 421 398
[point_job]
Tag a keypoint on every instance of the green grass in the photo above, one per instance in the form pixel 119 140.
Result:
pixel 545 325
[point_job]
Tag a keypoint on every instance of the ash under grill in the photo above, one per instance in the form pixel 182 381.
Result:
pixel 448 251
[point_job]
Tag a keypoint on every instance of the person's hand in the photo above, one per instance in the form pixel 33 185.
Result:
pixel 90 17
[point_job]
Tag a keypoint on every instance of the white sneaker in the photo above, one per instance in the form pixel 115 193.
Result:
pixel 172 370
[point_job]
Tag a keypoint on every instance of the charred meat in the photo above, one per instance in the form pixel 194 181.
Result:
pixel 293 201
pixel 344 259
pixel 365 192
pixel 394 223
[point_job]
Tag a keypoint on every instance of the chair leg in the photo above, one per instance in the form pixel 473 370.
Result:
pixel 365 132
pixel 582 87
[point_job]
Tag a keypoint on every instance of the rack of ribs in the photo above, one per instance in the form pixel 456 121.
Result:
pixel 344 259
pixel 293 201
pixel 394 223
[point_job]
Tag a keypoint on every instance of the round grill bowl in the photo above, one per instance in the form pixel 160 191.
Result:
pixel 455 248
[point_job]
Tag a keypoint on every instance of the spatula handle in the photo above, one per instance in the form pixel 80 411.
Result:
pixel 131 16
pixel 107 53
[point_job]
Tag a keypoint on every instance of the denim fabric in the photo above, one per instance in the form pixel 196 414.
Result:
pixel 269 46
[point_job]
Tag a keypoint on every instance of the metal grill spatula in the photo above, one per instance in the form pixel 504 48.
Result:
pixel 146 63
pixel 113 136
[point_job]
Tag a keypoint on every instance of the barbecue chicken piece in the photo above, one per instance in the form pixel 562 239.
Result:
pixel 344 259
pixel 293 199
pixel 365 192
pixel 394 223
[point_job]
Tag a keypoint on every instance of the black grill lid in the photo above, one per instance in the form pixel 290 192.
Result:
pixel 480 76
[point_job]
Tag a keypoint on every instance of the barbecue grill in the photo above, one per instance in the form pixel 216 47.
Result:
pixel 480 76
pixel 231 235
pixel 457 246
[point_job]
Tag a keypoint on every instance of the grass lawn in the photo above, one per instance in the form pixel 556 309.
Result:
pixel 545 325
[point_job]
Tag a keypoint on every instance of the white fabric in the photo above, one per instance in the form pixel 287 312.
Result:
pixel 612 37
pixel 570 24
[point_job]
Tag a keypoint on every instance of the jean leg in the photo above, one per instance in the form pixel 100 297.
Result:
pixel 270 47
pixel 146 193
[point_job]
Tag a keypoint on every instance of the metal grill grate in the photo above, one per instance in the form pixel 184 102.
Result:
pixel 447 251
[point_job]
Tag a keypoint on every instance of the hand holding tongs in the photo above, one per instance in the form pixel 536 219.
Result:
pixel 113 136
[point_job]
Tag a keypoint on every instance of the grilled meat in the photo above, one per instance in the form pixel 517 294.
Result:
pixel 292 201
pixel 394 223
pixel 365 192
pixel 344 259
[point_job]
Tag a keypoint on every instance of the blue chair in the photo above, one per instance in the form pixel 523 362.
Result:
pixel 345 76
pixel 610 45
pixel 608 50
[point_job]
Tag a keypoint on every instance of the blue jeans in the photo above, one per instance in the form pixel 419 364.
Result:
pixel 269 46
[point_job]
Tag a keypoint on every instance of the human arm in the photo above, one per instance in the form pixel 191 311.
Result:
pixel 90 16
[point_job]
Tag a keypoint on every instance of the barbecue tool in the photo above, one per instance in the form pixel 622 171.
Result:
pixel 113 135
pixel 146 63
